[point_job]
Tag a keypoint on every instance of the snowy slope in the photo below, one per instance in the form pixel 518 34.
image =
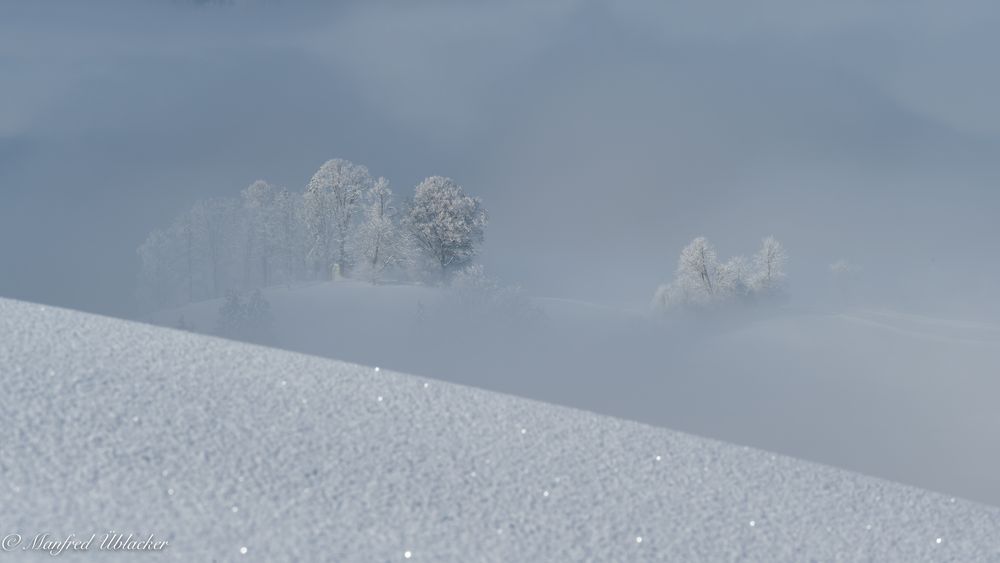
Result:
pixel 218 446
pixel 902 397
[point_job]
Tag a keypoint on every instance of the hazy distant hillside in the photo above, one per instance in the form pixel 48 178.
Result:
pixel 898 396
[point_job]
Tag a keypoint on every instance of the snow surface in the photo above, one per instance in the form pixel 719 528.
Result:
pixel 222 447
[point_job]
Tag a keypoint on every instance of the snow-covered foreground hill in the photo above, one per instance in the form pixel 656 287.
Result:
pixel 902 397
pixel 234 452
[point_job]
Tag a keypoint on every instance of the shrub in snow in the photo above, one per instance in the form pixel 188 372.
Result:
pixel 701 281
pixel 245 317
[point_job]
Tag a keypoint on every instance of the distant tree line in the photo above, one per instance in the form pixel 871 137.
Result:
pixel 345 223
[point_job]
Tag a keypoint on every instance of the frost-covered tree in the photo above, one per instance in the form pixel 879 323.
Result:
pixel 197 257
pixel 446 224
pixel 330 204
pixel 220 229
pixel 157 270
pixel 379 243
pixel 288 237
pixel 696 279
pixel 769 266
pixel 697 271
pixel 216 223
pixel 260 230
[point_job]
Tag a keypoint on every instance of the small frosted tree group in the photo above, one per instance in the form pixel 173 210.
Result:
pixel 702 281
pixel 343 221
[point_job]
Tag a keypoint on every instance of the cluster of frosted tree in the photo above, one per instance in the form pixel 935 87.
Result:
pixel 702 280
pixel 344 224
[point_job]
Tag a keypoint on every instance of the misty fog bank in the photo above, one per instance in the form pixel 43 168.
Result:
pixel 602 136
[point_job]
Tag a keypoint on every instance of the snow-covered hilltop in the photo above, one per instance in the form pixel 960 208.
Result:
pixel 235 452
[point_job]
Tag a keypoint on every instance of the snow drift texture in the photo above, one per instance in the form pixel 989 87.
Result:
pixel 297 458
